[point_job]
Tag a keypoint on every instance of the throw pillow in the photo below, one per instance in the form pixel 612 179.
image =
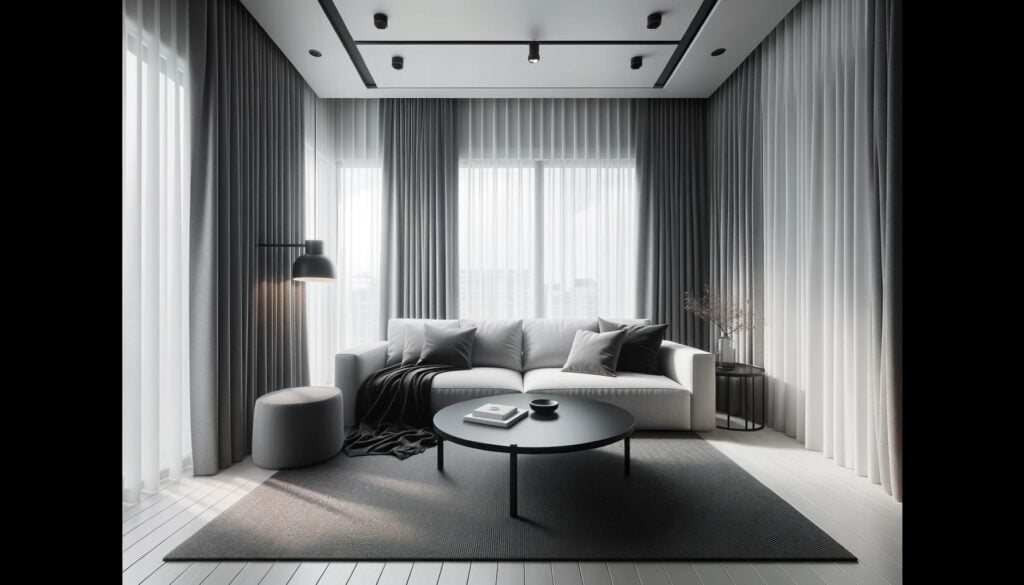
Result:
pixel 594 353
pixel 413 344
pixel 447 347
pixel 640 347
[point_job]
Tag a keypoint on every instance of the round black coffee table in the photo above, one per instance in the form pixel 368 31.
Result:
pixel 577 425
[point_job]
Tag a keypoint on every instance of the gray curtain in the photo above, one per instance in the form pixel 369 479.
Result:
pixel 736 198
pixel 671 172
pixel 419 270
pixel 247 318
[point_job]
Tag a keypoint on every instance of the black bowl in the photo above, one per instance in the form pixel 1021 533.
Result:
pixel 544 405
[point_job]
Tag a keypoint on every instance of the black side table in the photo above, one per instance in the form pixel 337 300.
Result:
pixel 747 377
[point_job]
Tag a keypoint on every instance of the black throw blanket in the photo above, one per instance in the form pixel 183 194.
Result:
pixel 393 412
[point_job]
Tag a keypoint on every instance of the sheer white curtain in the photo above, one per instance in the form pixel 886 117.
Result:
pixel 155 439
pixel 345 196
pixel 547 208
pixel 823 221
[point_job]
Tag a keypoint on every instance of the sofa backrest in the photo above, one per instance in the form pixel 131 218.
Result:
pixel 546 342
pixel 515 344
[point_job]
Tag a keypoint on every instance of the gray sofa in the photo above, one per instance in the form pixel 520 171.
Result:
pixel 526 355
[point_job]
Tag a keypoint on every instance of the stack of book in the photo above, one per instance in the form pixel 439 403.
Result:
pixel 496 415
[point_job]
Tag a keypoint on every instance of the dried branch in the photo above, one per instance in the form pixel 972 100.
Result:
pixel 728 314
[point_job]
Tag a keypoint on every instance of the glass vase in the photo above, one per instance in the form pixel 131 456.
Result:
pixel 726 351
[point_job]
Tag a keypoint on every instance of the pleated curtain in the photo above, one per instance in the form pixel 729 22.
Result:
pixel 832 201
pixel 736 199
pixel 155 109
pixel 547 208
pixel 248 318
pixel 673 255
pixel 419 270
pixel 343 196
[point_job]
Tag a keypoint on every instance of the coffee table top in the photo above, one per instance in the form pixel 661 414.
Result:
pixel 578 424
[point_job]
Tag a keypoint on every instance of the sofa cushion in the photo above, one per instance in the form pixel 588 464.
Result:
pixel 595 353
pixel 550 379
pixel 397 329
pixel 459 385
pixel 546 342
pixel 499 342
pixel 657 402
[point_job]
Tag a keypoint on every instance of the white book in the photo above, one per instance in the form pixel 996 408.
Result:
pixel 495 411
pixel 520 414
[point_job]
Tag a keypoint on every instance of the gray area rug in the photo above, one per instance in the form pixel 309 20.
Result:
pixel 684 501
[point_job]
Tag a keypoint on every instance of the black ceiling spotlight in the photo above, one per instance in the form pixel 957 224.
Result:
pixel 397 62
pixel 534 55
pixel 380 20
pixel 717 52
pixel 315 53
pixel 653 20
pixel 636 62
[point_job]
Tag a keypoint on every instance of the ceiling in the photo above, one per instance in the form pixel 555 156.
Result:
pixel 478 48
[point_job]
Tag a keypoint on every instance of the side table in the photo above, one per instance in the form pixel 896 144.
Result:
pixel 747 377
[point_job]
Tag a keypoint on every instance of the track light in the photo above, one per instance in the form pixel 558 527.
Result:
pixel 534 52
pixel 380 20
pixel 636 62
pixel 397 62
pixel 654 20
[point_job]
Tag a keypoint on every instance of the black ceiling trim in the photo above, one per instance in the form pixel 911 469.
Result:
pixel 346 41
pixel 516 42
pixel 685 42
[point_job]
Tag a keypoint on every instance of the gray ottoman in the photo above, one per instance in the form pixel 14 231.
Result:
pixel 297 426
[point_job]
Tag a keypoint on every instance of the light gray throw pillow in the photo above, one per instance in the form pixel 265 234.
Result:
pixel 498 344
pixel 595 353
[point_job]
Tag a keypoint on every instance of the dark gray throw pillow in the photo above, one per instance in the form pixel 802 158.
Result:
pixel 447 347
pixel 594 353
pixel 640 347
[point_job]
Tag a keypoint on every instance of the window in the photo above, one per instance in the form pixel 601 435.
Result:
pixel 547 238
pixel 359 220
pixel 590 239
pixel 346 314
pixel 497 241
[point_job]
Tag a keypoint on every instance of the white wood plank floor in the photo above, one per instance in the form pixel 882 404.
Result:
pixel 851 509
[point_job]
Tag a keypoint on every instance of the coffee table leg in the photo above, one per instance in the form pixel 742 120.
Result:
pixel 627 455
pixel 440 454
pixel 512 481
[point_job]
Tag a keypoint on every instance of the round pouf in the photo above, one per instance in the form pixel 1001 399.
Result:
pixel 297 426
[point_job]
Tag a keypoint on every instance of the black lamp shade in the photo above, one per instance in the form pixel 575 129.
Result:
pixel 312 265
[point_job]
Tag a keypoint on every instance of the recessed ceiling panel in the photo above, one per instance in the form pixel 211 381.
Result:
pixel 505 66
pixel 433 70
pixel 475 20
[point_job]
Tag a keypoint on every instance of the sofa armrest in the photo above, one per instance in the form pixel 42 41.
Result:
pixel 695 370
pixel 352 367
